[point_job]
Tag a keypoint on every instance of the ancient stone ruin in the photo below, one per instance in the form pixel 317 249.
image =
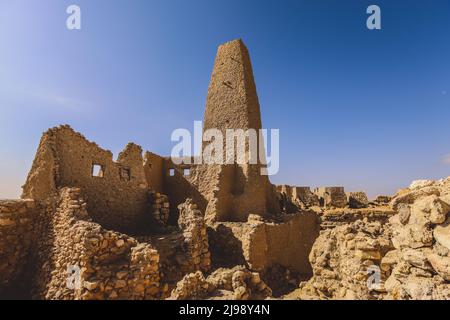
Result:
pixel 143 227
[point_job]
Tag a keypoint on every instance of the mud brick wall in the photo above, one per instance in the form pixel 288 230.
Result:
pixel 154 171
pixel 262 244
pixel 117 195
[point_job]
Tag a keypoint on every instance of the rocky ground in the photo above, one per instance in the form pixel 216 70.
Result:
pixel 396 249
pixel 393 248
pixel 406 257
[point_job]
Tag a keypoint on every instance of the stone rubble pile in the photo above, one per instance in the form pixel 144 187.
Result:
pixel 419 266
pixel 332 218
pixel 342 259
pixel 382 200
pixel 237 283
pixel 407 257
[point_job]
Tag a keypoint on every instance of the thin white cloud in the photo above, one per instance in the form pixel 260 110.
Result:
pixel 46 99
pixel 64 102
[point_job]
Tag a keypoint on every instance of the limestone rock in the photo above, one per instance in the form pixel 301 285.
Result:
pixel 412 236
pixel 390 260
pixel 434 207
pixel 236 283
pixel 418 184
pixel 343 259
pixel 410 196
pixel 442 234
pixel 357 199
pixel 441 265
pixel 416 258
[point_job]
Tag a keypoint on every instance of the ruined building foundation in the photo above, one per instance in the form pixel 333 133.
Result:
pixel 142 227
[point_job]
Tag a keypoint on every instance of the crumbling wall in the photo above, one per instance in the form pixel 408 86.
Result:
pixel 117 194
pixel 305 197
pixel 294 198
pixel 42 178
pixel 286 243
pixel 179 184
pixel 287 202
pixel 193 226
pixel 332 196
pixel 16 239
pixel 263 244
pixel 131 166
pixel 81 260
pixel 160 207
pixel 183 250
pixel 154 169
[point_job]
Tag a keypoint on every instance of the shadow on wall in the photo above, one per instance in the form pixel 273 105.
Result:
pixel 226 248
pixel 262 245
pixel 178 186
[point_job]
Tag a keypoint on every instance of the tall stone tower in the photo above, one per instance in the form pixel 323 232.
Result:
pixel 232 101
pixel 235 190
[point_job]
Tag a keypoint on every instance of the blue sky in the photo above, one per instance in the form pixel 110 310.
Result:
pixel 368 110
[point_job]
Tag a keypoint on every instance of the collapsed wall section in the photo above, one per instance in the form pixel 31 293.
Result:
pixel 185 250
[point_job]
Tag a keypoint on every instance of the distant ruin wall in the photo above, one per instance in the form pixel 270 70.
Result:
pixel 332 196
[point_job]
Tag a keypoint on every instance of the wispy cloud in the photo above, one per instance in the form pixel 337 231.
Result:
pixel 47 99
pixel 446 159
pixel 67 103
